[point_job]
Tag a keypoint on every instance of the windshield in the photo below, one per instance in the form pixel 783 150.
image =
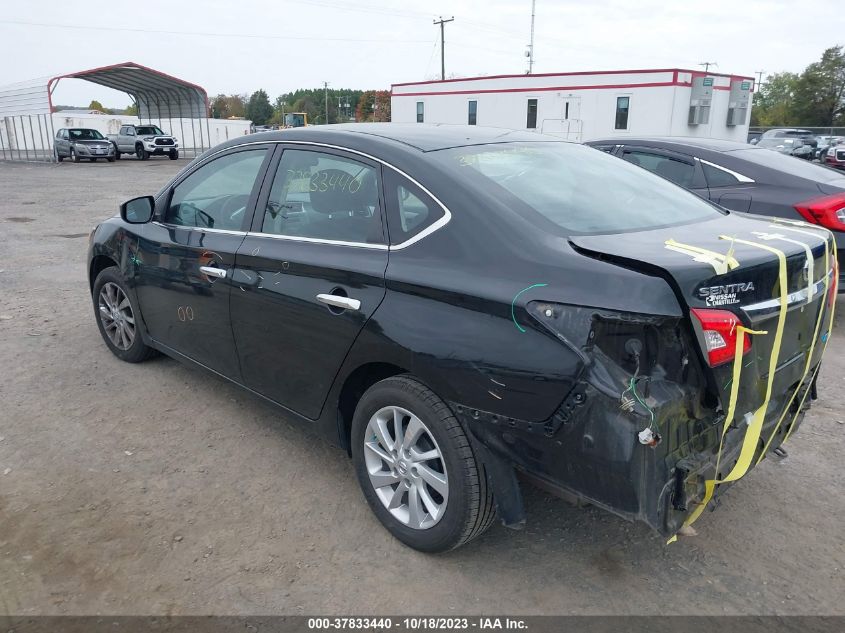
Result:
pixel 85 135
pixel 577 188
pixel 143 130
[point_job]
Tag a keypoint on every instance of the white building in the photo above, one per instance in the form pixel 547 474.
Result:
pixel 586 105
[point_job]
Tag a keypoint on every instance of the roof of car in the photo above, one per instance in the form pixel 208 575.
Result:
pixel 421 136
pixel 712 144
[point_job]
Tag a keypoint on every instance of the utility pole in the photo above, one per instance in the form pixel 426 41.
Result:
pixel 759 74
pixel 326 88
pixel 531 45
pixel 442 23
pixel 707 65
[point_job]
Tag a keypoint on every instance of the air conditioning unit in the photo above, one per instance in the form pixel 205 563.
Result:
pixel 738 102
pixel 701 97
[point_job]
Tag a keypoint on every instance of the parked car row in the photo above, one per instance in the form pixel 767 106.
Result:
pixel 141 140
pixel 800 143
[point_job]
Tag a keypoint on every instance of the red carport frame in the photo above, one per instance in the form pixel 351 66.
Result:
pixel 26 108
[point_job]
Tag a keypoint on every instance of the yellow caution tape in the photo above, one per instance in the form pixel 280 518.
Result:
pixel 721 263
pixel 710 484
pixel 809 353
pixel 752 433
pixel 816 372
pixel 808 253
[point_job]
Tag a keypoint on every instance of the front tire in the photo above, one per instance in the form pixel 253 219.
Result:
pixel 416 467
pixel 74 156
pixel 174 155
pixel 141 153
pixel 116 152
pixel 118 317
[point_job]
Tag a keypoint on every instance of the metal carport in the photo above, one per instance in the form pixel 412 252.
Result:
pixel 26 108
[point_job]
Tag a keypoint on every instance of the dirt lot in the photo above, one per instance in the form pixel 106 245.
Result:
pixel 157 489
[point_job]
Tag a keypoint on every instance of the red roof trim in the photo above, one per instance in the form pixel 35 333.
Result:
pixel 675 71
pixel 655 84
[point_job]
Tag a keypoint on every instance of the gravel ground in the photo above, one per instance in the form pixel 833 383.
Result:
pixel 158 489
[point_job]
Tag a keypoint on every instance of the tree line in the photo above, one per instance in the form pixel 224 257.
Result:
pixel 344 105
pixel 812 98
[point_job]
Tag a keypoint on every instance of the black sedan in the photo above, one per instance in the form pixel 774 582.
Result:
pixel 456 305
pixel 744 178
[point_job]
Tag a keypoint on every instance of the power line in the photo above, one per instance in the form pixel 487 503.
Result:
pixel 211 34
pixel 442 23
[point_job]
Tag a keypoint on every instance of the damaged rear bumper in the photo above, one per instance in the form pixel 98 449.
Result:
pixel 589 451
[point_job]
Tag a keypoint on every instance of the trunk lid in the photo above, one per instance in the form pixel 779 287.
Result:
pixel 748 287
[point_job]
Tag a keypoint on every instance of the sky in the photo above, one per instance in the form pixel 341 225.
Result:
pixel 281 45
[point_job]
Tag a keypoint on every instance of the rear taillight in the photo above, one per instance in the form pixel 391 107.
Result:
pixel 719 328
pixel 829 211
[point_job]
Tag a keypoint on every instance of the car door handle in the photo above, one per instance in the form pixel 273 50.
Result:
pixel 337 301
pixel 213 271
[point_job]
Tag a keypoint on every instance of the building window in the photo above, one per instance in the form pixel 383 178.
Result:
pixel 420 111
pixel 532 114
pixel 472 112
pixel 622 104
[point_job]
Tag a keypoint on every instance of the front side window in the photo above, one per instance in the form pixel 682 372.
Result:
pixel 532 114
pixel 217 194
pixel 572 188
pixel 420 112
pixel 678 171
pixel 326 197
pixel 622 105
pixel 472 113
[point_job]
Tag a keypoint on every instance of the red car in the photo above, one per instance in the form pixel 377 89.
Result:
pixel 835 157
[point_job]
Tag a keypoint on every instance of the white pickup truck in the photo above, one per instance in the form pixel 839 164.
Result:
pixel 144 141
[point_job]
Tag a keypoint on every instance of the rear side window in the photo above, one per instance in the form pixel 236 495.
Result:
pixel 678 171
pixel 573 187
pixel 718 177
pixel 410 209
pixel 216 195
pixel 325 197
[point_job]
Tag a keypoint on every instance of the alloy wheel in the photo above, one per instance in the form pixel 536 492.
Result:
pixel 406 467
pixel 116 316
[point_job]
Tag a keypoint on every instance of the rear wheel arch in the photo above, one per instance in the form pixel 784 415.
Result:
pixel 356 383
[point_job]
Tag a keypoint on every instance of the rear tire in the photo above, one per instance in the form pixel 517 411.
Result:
pixel 59 157
pixel 458 507
pixel 118 318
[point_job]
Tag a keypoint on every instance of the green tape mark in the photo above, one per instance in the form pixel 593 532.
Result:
pixel 513 304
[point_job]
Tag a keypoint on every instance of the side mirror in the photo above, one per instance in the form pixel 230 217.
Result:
pixel 138 210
